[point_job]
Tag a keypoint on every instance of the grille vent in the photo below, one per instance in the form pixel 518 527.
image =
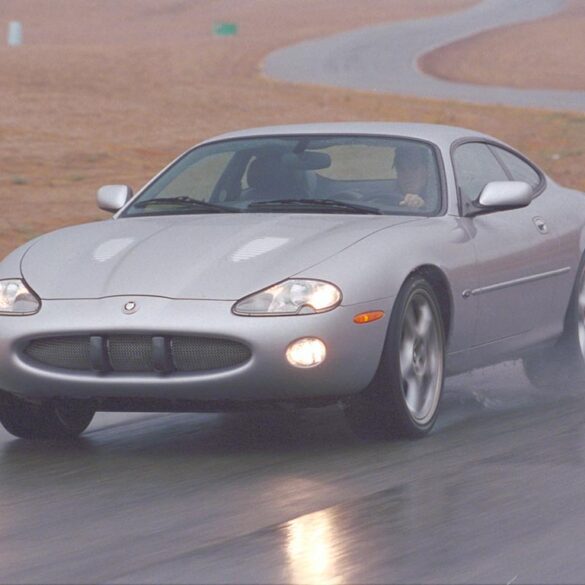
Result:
pixel 138 353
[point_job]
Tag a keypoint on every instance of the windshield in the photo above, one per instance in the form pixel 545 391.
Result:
pixel 298 174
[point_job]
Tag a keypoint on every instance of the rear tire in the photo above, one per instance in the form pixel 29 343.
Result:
pixel 403 399
pixel 26 420
pixel 564 363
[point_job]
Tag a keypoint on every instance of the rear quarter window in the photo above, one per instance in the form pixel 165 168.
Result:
pixel 518 168
pixel 475 166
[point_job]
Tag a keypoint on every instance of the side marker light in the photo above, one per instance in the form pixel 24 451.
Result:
pixel 368 317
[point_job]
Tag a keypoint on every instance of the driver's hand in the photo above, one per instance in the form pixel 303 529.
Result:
pixel 412 200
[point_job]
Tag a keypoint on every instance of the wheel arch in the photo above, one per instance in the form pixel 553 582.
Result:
pixel 580 265
pixel 440 284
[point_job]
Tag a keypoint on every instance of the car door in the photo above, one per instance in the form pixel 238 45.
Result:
pixel 562 217
pixel 516 251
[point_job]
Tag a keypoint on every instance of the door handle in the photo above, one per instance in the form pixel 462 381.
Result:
pixel 540 225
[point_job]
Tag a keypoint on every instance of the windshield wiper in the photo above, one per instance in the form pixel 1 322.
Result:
pixel 185 201
pixel 316 203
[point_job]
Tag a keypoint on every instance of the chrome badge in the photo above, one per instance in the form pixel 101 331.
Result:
pixel 130 307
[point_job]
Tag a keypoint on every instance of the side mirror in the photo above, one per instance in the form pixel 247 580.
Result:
pixel 500 195
pixel 113 197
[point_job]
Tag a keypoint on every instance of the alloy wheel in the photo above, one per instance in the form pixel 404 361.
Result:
pixel 421 358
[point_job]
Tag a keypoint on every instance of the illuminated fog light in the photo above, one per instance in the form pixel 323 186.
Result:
pixel 306 353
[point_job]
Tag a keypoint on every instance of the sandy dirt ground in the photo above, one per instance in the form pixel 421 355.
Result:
pixel 546 54
pixel 111 90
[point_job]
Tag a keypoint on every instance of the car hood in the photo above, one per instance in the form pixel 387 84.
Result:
pixel 220 256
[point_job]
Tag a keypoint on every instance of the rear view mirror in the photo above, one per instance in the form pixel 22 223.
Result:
pixel 505 195
pixel 113 197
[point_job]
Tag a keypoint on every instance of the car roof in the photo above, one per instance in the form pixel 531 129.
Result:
pixel 437 133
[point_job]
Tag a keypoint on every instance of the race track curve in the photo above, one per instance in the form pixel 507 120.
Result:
pixel 384 57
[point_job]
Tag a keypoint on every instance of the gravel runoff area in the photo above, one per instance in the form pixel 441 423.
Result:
pixel 111 91
pixel 547 53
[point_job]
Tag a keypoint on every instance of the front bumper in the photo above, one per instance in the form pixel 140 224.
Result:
pixel 353 351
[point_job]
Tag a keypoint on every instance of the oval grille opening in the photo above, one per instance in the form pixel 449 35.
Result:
pixel 135 353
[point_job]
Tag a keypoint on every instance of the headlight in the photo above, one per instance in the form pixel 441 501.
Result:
pixel 292 297
pixel 17 299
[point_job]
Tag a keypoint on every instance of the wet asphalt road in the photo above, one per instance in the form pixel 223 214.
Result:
pixel 496 494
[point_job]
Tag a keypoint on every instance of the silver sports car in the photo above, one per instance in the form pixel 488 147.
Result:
pixel 355 263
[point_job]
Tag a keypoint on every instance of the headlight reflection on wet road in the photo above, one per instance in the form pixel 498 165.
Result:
pixel 311 549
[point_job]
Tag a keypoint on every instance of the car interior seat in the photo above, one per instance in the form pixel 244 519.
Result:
pixel 268 178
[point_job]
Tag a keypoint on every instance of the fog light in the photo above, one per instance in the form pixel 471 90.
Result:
pixel 306 353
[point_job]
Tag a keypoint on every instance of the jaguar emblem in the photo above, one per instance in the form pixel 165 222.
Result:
pixel 130 307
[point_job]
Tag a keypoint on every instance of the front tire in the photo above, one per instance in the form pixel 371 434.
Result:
pixel 564 363
pixel 403 399
pixel 26 420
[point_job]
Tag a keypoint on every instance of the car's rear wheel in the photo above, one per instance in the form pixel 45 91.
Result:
pixel 404 397
pixel 47 420
pixel 565 362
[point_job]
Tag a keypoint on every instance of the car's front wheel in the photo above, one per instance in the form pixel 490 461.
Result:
pixel 403 399
pixel 47 420
pixel 564 363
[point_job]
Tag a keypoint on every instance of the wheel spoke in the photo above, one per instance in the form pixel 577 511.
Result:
pixel 425 321
pixel 581 303
pixel 412 393
pixel 406 350
pixel 427 384
pixel 432 361
pixel 410 322
pixel 581 318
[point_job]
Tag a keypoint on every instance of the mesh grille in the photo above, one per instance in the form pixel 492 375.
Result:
pixel 194 354
pixel 61 352
pixel 130 353
pixel 134 353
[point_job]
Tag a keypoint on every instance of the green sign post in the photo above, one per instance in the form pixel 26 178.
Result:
pixel 225 29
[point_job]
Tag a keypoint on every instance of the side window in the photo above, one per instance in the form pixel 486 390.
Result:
pixel 519 169
pixel 199 180
pixel 476 166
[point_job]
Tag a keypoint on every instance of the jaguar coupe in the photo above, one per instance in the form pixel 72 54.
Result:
pixel 356 264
